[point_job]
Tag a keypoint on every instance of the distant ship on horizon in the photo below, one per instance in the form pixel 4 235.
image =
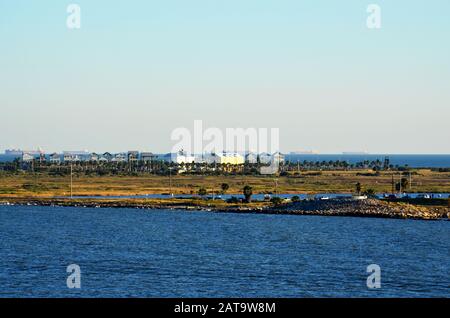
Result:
pixel 20 152
pixel 13 152
pixel 305 152
pixel 355 153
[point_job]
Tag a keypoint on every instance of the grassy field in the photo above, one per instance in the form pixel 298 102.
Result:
pixel 42 185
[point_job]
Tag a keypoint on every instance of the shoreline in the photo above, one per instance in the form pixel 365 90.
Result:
pixel 371 208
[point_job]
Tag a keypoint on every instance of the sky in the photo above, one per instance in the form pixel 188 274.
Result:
pixel 136 70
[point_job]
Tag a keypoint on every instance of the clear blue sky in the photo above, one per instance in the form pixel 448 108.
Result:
pixel 138 69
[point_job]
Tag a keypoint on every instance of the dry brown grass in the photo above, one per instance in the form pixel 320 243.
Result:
pixel 43 185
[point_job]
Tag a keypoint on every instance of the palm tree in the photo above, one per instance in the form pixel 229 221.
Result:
pixel 202 192
pixel 358 188
pixel 224 187
pixel 248 192
pixel 276 200
pixel 370 193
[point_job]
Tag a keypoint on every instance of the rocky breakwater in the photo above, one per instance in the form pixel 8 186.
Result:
pixel 366 208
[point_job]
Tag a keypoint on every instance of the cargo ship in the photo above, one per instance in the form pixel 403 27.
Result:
pixel 19 152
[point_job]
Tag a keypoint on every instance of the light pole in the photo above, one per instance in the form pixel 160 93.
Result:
pixel 71 181
pixel 392 184
pixel 276 187
pixel 170 181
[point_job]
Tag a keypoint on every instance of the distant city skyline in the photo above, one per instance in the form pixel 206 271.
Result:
pixel 137 70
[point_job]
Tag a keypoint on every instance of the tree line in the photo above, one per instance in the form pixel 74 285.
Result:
pixel 159 167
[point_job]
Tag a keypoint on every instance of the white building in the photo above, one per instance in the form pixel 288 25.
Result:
pixel 120 157
pixel 75 156
pixel 26 157
pixel 147 156
pixel 94 157
pixel 55 158
pixel 225 158
pixel 181 157
pixel 103 158
pixel 106 157
pixel 251 158
pixel 133 156
pixel 278 157
pixel 266 158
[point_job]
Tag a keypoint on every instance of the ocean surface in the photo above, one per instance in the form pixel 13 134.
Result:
pixel 161 253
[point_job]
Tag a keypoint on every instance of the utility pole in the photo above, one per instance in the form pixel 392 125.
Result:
pixel 71 181
pixel 393 185
pixel 34 172
pixel 410 181
pixel 170 180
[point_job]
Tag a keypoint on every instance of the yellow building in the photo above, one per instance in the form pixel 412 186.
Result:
pixel 227 158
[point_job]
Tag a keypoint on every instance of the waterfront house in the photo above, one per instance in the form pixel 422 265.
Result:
pixel 231 158
pixel 180 157
pixel 225 158
pixel 108 156
pixel 55 158
pixel 120 157
pixel 26 157
pixel 102 158
pixel 94 157
pixel 265 158
pixel 278 157
pixel 71 158
pixel 133 156
pixel 75 156
pixel 251 158
pixel 42 157
pixel 147 156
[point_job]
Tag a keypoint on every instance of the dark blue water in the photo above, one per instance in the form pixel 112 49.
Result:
pixel 126 252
